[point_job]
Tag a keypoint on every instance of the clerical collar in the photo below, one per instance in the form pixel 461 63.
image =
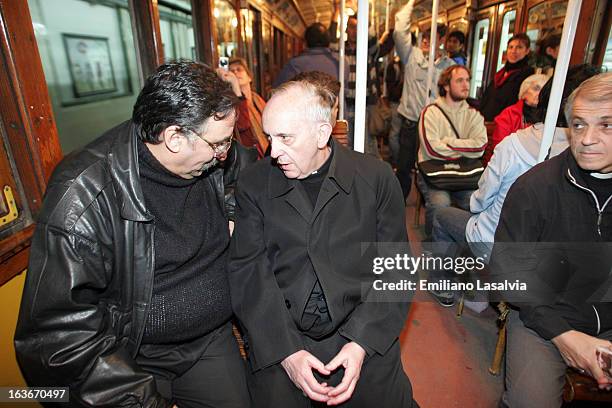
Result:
pixel 322 171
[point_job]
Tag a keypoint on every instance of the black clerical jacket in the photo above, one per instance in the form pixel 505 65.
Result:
pixel 281 245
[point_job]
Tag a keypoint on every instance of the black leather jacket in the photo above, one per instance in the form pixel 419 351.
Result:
pixel 90 276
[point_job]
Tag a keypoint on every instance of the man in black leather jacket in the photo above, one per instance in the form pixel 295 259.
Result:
pixel 126 299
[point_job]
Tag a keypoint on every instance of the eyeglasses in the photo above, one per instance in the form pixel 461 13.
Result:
pixel 218 148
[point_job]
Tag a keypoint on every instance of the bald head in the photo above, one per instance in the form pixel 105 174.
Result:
pixel 297 121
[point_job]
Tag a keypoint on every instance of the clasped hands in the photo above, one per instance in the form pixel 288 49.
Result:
pixel 299 366
pixel 579 351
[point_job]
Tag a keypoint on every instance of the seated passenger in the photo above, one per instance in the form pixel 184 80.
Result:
pixel 520 115
pixel 513 156
pixel 455 47
pixel 296 273
pixel 504 89
pixel 569 203
pixel 126 299
pixel 448 130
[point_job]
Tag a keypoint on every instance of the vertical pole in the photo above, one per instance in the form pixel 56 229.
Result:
pixel 361 77
pixel 433 39
pixel 341 65
pixel 388 58
pixel 565 52
pixel 387 15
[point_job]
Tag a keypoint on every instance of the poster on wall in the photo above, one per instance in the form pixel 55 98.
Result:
pixel 90 65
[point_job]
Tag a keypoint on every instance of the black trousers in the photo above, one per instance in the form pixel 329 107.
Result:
pixel 207 372
pixel 408 147
pixel 382 382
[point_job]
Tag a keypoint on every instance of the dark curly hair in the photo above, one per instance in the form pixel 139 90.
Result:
pixel 183 94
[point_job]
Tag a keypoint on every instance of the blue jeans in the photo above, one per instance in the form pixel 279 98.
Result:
pixel 394 132
pixel 436 199
pixel 408 145
pixel 449 225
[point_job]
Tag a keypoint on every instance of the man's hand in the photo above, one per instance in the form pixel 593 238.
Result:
pixel 579 351
pixel 299 368
pixel 351 358
pixel 228 76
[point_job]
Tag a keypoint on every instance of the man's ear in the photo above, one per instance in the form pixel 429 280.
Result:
pixel 172 138
pixel 324 131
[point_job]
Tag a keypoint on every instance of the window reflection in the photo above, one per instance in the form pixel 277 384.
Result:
pixel 89 60
pixel 607 61
pixel 545 18
pixel 227 28
pixel 506 34
pixel 479 49
pixel 176 29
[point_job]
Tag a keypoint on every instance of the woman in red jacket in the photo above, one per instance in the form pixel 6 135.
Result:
pixel 520 115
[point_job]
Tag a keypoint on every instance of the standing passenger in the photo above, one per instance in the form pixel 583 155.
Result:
pixel 376 48
pixel 414 95
pixel 297 270
pixel 126 300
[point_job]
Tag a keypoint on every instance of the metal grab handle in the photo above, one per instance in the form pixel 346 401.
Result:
pixel 12 213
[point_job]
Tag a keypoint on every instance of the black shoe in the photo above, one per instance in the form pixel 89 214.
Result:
pixel 444 298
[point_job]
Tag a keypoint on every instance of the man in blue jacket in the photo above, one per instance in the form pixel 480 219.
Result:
pixel 317 57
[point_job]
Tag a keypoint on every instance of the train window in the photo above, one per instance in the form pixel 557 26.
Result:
pixel 545 18
pixel 479 49
pixel 89 60
pixel 176 29
pixel 251 41
pixel 607 60
pixel 506 34
pixel 227 28
pixel 266 67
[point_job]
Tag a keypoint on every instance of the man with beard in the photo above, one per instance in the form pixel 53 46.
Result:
pixel 449 129
pixel 126 299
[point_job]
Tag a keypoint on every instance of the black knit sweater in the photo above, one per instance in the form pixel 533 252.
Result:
pixel 190 289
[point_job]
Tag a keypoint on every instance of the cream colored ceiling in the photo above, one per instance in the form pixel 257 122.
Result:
pixel 321 10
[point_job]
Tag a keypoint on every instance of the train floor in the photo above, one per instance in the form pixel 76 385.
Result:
pixel 447 357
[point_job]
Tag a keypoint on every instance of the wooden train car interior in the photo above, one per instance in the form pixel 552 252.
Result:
pixel 73 68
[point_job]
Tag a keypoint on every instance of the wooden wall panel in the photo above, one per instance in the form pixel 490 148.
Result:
pixel 29 124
